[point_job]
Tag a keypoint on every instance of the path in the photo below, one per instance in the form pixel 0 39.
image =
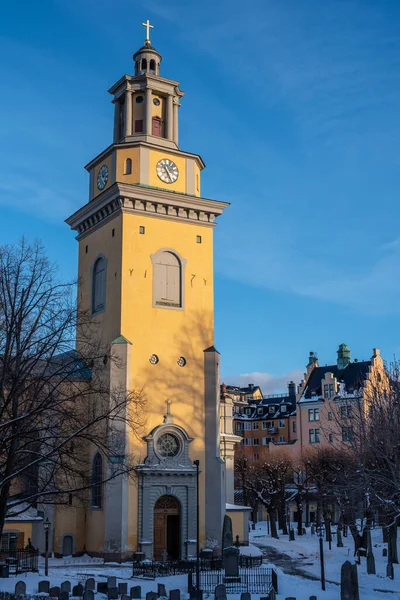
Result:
pixel 289 565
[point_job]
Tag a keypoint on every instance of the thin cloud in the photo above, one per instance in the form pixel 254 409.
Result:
pixel 269 383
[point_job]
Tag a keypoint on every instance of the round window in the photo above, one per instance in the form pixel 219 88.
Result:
pixel 168 445
pixel 156 102
pixel 139 99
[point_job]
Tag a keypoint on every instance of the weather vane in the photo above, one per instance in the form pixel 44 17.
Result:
pixel 148 27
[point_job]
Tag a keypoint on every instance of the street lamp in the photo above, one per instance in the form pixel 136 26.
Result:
pixel 197 463
pixel 321 556
pixel 46 526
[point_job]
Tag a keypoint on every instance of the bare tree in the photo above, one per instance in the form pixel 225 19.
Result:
pixel 266 481
pixel 57 405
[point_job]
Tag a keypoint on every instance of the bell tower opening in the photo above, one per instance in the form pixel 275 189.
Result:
pixel 167 528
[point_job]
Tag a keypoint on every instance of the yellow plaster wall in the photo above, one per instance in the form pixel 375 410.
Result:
pixel 121 155
pixel 19 527
pixel 239 524
pixel 107 160
pixel 137 109
pixel 157 111
pixel 180 184
pixel 101 241
pixel 168 333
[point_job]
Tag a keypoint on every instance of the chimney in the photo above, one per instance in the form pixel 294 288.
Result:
pixel 292 388
pixel 343 357
pixel 251 386
pixel 312 359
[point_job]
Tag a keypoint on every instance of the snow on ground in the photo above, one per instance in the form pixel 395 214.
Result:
pixel 304 552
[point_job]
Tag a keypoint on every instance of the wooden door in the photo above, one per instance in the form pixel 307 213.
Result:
pixel 156 126
pixel 160 537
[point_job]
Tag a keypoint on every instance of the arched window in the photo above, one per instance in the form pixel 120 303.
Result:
pixel 144 64
pixel 152 66
pixel 128 166
pixel 97 481
pixel 167 279
pixel 99 285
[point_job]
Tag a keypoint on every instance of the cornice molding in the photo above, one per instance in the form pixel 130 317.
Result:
pixel 152 202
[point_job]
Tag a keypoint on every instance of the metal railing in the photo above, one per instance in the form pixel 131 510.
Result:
pixel 20 561
pixel 253 580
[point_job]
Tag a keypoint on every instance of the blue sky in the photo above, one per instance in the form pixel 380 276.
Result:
pixel 293 105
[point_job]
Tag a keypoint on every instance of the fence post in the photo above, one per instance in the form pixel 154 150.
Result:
pixel 274 580
pixel 190 581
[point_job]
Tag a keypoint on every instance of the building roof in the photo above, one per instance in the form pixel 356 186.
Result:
pixel 284 407
pixel 249 389
pixel 353 377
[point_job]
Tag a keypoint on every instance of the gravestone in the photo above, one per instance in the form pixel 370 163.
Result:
pixel 384 552
pixel 220 592
pixel 231 562
pixel 245 596
pixel 151 596
pixel 20 588
pixel 161 591
pixel 136 592
pixel 349 582
pixel 312 529
pixel 370 555
pixel 66 586
pixel 54 591
pixel 112 593
pixel 291 535
pixel 44 587
pixel 125 597
pixel 88 595
pixel 102 587
pixel 175 595
pixel 112 582
pixel 272 595
pixel 290 598
pixel 390 570
pixel 122 588
pixel 227 535
pixel 313 597
pixel 77 590
pixel 64 595
pixel 90 584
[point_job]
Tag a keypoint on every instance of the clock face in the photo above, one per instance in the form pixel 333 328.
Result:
pixel 167 170
pixel 102 177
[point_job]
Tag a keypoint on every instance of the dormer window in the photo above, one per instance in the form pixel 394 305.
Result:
pixel 248 411
pixel 283 408
pixel 260 411
pixel 271 409
pixel 329 391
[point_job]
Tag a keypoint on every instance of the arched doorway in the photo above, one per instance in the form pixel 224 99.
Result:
pixel 167 528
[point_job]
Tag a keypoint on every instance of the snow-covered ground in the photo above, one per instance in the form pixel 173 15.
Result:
pixel 303 553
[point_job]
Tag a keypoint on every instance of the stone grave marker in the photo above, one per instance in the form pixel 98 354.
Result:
pixel 161 591
pixel 227 535
pixel 151 596
pixel 90 584
pixel 122 588
pixel 20 588
pixel 384 552
pixel 112 593
pixel 175 595
pixel 220 592
pixel 112 582
pixel 136 592
pixel 231 561
pixel 313 597
pixel 349 582
pixel 77 590
pixel 245 596
pixel 88 595
pixel 272 595
pixel 64 595
pixel 66 586
pixel 125 597
pixel 44 587
pixel 54 591
pixel 102 587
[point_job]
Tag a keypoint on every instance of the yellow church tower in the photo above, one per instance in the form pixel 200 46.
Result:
pixel 146 276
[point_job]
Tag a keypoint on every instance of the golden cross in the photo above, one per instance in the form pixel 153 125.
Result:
pixel 148 27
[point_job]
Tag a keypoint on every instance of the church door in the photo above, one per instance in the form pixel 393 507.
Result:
pixel 166 528
pixel 156 126
pixel 67 545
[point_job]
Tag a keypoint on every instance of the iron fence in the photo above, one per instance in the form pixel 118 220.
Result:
pixel 149 568
pixel 253 580
pixel 20 561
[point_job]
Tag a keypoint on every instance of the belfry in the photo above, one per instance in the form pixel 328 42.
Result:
pixel 146 277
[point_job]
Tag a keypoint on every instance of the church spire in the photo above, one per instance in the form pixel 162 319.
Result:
pixel 147 59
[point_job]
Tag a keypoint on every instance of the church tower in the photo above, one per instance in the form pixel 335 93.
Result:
pixel 146 276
